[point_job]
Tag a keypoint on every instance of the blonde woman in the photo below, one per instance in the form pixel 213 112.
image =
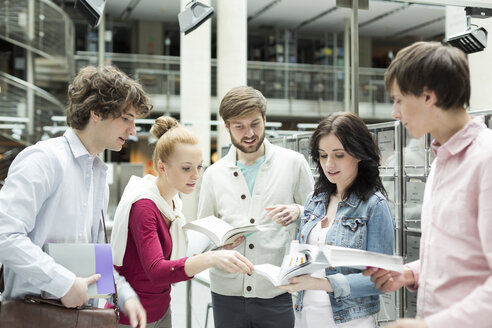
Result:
pixel 148 242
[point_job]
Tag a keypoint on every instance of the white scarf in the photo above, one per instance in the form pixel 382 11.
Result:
pixel 145 188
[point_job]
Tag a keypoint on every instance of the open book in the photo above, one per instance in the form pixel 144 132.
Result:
pixel 305 259
pixel 84 260
pixel 220 232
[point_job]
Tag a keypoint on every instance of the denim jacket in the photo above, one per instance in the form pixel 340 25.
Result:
pixel 366 225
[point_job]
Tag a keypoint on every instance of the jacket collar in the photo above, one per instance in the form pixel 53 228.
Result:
pixel 352 200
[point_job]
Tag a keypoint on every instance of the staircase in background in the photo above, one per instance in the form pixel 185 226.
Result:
pixel 46 31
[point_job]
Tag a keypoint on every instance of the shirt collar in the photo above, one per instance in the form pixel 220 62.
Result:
pixel 78 149
pixel 461 139
pixel 76 146
pixel 230 158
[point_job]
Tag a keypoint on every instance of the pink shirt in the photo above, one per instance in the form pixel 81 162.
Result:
pixel 454 273
pixel 146 265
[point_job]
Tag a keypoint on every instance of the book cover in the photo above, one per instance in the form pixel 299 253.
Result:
pixel 85 260
pixel 220 232
pixel 302 259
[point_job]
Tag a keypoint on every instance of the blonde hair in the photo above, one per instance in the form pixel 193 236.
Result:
pixel 169 133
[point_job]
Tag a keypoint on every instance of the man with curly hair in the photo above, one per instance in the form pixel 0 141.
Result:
pixel 56 191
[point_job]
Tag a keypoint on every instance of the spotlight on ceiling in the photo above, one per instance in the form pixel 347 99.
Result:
pixel 473 39
pixel 194 14
pixel 91 10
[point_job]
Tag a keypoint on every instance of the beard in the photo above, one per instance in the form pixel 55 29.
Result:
pixel 248 149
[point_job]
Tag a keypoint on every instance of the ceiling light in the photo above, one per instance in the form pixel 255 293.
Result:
pixel 92 10
pixel 473 39
pixel 194 14
pixel 470 41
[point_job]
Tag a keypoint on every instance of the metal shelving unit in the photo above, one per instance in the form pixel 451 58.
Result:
pixel 388 137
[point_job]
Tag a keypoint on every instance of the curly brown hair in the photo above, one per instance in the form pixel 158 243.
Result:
pixel 106 91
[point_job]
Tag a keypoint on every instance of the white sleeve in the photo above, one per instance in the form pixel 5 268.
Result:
pixel 32 177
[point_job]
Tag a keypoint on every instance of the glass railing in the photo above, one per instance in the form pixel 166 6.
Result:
pixel 40 26
pixel 160 75
pixel 17 120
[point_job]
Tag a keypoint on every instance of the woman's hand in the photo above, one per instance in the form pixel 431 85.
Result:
pixel 231 261
pixel 307 282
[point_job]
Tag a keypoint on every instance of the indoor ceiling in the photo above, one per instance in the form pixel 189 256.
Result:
pixel 384 19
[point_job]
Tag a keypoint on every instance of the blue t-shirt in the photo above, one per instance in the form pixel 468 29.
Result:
pixel 250 172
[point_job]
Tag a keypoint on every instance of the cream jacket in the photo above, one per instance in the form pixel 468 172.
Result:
pixel 284 178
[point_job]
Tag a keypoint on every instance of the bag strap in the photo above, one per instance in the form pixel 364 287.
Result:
pixel 115 295
pixel 36 299
pixel 2 285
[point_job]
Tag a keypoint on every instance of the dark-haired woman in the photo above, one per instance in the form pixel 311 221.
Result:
pixel 347 208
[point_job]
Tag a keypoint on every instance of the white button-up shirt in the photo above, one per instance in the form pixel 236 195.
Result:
pixel 54 193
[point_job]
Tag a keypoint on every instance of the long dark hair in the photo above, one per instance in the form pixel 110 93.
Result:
pixel 359 143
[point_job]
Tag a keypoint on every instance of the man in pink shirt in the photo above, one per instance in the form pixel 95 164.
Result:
pixel 430 86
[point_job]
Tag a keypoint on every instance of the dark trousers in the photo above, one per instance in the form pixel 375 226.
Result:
pixel 242 312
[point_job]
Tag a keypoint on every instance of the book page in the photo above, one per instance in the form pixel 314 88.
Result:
pixel 292 257
pixel 360 259
pixel 306 268
pixel 235 233
pixel 197 243
pixel 269 271
pixel 213 227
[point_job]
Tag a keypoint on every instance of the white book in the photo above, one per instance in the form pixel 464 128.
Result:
pixel 220 232
pixel 305 259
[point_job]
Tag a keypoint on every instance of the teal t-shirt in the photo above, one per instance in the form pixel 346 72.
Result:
pixel 250 172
